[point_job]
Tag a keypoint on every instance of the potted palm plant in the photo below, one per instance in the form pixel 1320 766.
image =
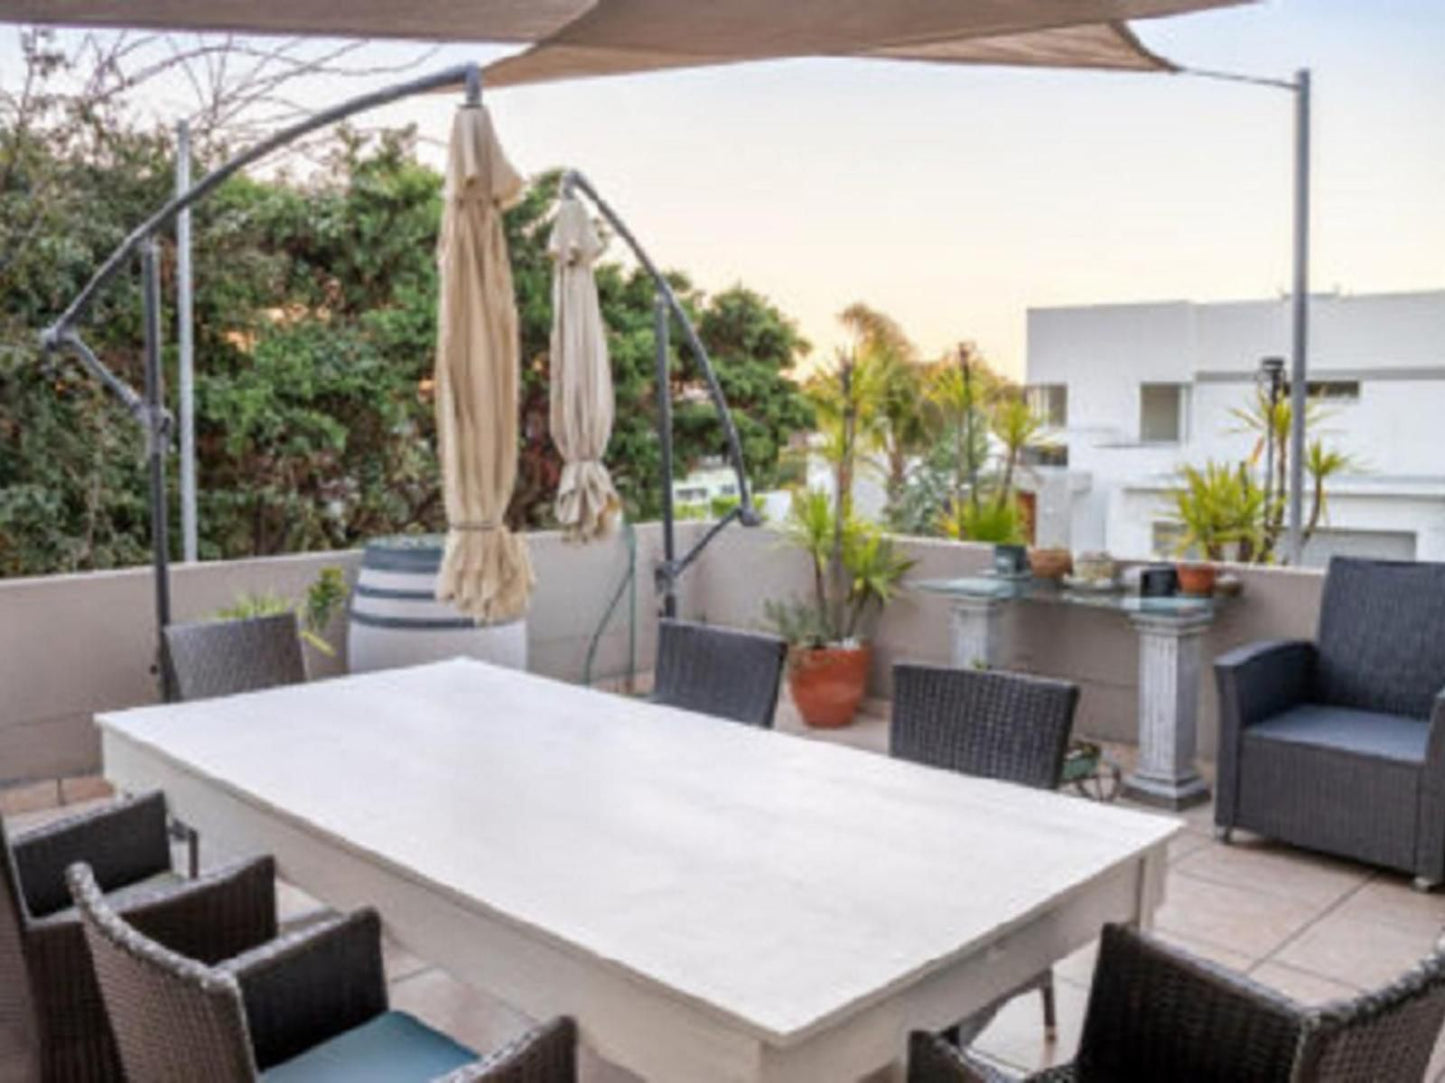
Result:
pixel 1220 509
pixel 855 570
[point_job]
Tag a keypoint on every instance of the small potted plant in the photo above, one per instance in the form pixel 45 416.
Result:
pixel 855 571
pixel 325 596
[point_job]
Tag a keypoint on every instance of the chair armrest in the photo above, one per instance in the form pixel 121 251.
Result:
pixel 122 843
pixel 311 985
pixel 1262 679
pixel 1156 1012
pixel 216 917
pixel 545 1054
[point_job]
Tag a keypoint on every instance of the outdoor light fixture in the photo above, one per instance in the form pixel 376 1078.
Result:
pixel 1271 375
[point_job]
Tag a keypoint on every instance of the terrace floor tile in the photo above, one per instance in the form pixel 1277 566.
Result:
pixel 1356 951
pixel 1244 920
pixel 1276 870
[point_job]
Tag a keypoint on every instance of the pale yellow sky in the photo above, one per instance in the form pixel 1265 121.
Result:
pixel 955 198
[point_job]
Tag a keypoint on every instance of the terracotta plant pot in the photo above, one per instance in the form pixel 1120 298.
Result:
pixel 1197 579
pixel 827 683
pixel 1050 563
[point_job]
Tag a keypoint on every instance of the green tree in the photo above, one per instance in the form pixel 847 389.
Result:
pixel 315 331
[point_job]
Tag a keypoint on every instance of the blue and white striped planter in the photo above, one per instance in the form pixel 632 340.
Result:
pixel 395 619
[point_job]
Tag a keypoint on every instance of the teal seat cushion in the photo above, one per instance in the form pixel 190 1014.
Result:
pixel 392 1048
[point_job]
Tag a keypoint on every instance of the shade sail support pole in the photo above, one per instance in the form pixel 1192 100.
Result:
pixel 1300 313
pixel 157 433
pixel 1299 86
pixel 186 351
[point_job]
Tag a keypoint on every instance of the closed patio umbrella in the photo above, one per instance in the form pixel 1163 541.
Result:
pixel 485 572
pixel 581 383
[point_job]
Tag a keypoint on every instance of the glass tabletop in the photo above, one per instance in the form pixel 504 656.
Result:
pixel 1029 589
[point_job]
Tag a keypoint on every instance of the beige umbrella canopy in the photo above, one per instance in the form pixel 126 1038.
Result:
pixel 485 571
pixel 581 380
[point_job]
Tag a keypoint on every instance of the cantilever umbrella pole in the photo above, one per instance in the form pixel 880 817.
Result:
pixel 150 411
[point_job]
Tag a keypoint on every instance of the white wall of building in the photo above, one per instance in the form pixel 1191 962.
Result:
pixel 1391 345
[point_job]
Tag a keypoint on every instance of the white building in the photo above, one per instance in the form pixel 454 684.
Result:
pixel 1136 390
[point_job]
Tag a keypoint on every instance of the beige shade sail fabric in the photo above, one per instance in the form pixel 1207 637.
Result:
pixel 581 378
pixel 486 571
pixel 615 37
pixel 576 38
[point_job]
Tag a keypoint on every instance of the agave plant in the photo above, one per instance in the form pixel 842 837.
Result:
pixel 996 521
pixel 326 594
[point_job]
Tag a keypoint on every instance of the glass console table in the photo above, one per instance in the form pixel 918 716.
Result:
pixel 1171 632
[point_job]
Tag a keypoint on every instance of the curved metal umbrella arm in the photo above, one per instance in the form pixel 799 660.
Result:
pixel 467 75
pixel 574 181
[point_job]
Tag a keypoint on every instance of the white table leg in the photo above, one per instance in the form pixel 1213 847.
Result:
pixel 1169 669
pixel 976 624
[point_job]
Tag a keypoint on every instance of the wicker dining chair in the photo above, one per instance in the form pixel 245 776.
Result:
pixel 48 997
pixel 719 671
pixel 207 659
pixel 226 657
pixel 308 1006
pixel 1155 1012
pixel 991 724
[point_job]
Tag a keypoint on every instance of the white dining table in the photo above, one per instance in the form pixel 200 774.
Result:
pixel 712 902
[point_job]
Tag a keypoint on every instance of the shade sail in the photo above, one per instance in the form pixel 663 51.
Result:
pixel 575 38
pixel 485 570
pixel 581 378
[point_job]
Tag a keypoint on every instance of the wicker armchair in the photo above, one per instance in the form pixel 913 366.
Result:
pixel 310 1005
pixel 225 657
pixel 719 671
pixel 1009 726
pixel 1156 1012
pixel 1339 745
pixel 48 996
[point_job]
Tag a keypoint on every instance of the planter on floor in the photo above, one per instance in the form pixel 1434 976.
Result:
pixel 827 683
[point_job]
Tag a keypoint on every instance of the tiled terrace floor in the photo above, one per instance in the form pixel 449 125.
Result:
pixel 1312 927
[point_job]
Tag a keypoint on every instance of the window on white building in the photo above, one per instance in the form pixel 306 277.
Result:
pixel 1163 413
pixel 1050 402
pixel 1334 390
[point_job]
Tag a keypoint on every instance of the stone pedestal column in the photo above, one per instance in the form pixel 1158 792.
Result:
pixel 1169 670
pixel 975 637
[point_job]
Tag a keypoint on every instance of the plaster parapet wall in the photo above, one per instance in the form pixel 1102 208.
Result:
pixel 72 645
pixel 1097 649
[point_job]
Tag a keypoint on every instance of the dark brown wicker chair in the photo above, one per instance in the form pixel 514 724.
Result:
pixel 48 995
pixel 207 659
pixel 719 671
pixel 308 1006
pixel 1009 726
pixel 1339 745
pixel 226 657
pixel 1157 1013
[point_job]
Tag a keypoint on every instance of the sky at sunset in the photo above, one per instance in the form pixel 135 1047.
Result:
pixel 955 198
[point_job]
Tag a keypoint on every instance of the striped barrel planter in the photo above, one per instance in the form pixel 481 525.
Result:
pixel 395 619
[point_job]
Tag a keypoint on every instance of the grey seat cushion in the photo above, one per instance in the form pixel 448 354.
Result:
pixel 120 898
pixel 392 1048
pixel 1347 729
